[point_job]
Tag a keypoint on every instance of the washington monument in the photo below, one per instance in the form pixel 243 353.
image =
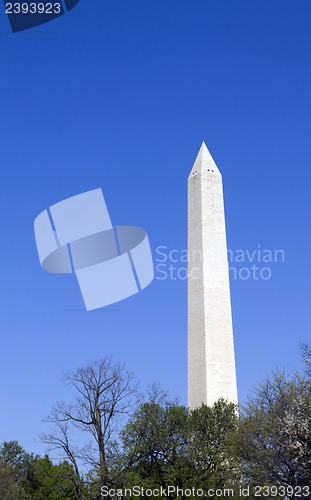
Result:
pixel 211 361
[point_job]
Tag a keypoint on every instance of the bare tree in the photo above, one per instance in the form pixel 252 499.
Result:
pixel 106 393
pixel 58 440
pixel 305 350
pixel 156 395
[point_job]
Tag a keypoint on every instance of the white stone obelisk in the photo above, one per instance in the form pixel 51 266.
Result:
pixel 211 360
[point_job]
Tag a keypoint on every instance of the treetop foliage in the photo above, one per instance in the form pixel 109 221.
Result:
pixel 153 442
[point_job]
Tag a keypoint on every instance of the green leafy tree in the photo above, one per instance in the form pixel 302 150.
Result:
pixel 24 476
pixel 15 457
pixel 213 458
pixel 14 462
pixel 166 445
pixel 9 489
pixel 155 446
pixel 47 481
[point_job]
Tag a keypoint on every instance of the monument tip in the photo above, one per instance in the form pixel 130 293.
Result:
pixel 204 162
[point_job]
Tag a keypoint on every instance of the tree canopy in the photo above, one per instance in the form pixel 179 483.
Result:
pixel 152 442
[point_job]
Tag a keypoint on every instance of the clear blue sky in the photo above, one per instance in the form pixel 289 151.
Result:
pixel 119 94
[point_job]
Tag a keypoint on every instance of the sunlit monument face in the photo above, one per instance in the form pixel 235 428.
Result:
pixel 211 361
